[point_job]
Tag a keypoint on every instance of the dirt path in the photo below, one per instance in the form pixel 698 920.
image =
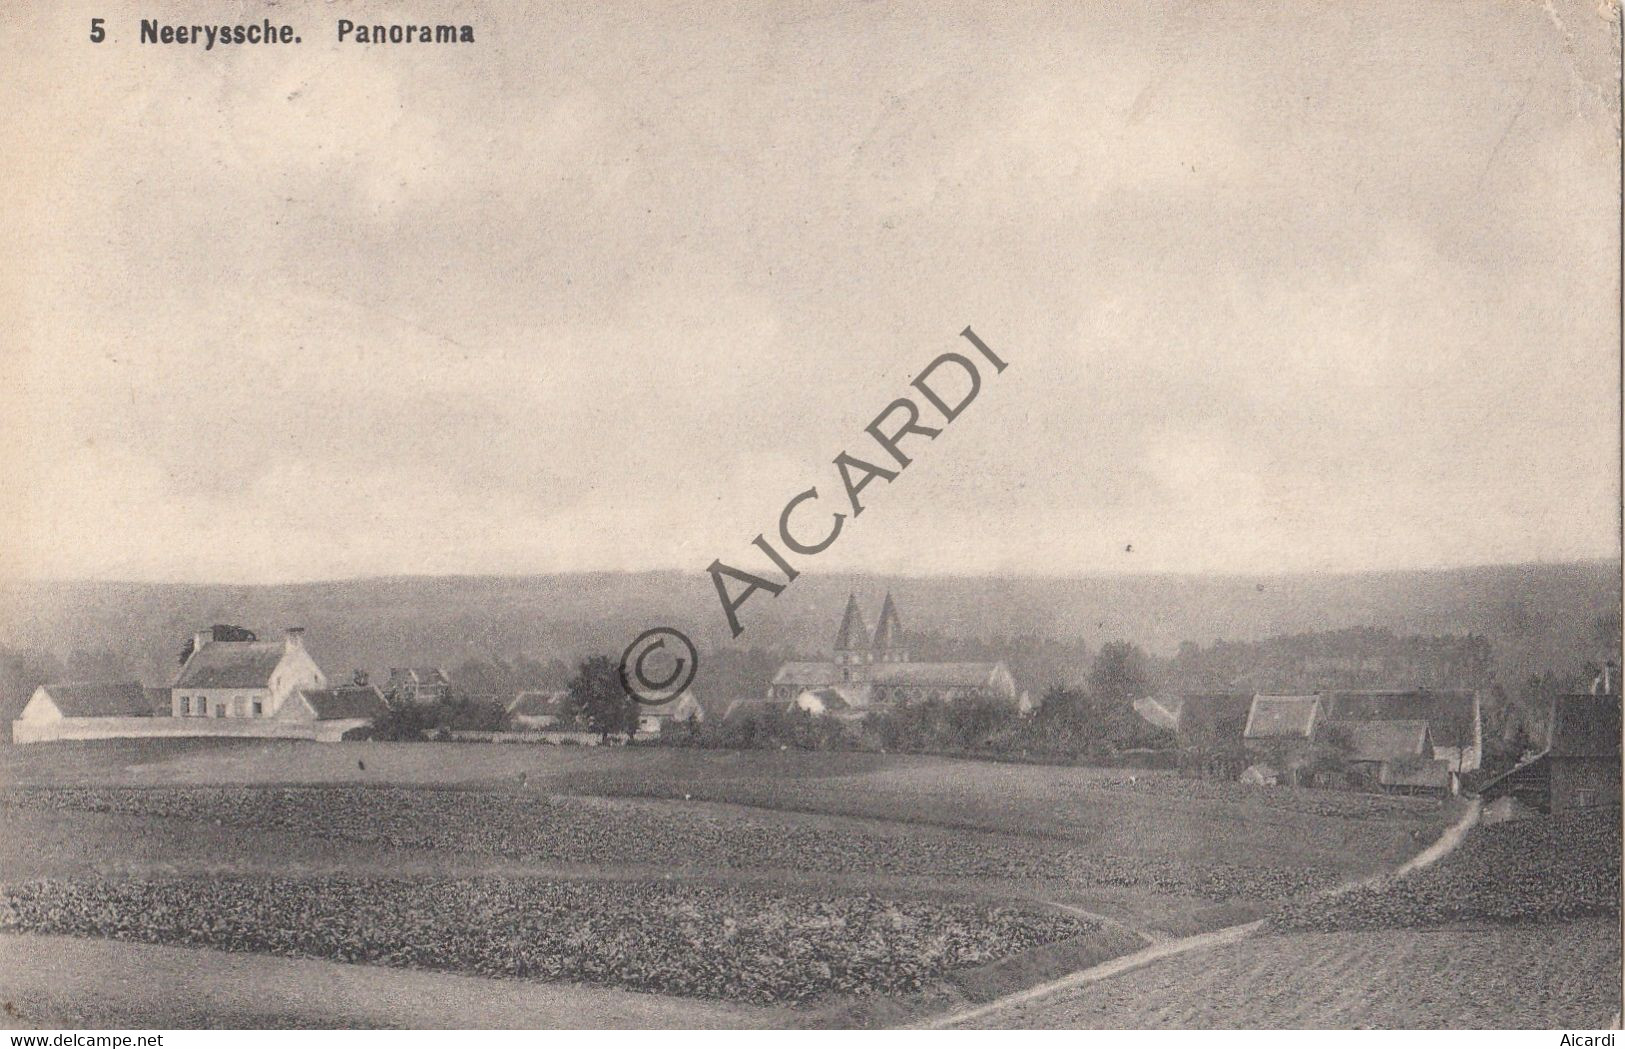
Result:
pixel 1446 843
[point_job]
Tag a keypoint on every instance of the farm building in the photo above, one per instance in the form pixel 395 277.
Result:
pixel 1581 768
pixel 678 712
pixel 1453 718
pixel 1418 775
pixel 877 670
pixel 417 685
pixel 243 679
pixel 358 704
pixel 1281 729
pixel 99 699
pixel 540 709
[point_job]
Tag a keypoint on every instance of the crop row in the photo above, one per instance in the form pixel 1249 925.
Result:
pixel 1523 871
pixel 674 938
pixel 535 829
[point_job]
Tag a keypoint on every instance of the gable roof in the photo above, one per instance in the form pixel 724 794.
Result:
pixel 1282 717
pixel 1451 714
pixel 1383 740
pixel 925 675
pixel 429 676
pixel 889 631
pixel 1585 726
pixel 346 701
pixel 853 635
pixel 541 703
pixel 231 664
pixel 100 699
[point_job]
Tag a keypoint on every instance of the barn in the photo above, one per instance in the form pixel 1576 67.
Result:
pixel 1581 768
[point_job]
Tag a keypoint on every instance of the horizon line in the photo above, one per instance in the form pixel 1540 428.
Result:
pixel 1598 560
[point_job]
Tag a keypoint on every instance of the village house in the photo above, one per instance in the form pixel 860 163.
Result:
pixel 243 679
pixel 669 716
pixel 417 685
pixel 535 709
pixel 247 689
pixel 1453 717
pixel 1280 734
pixel 873 670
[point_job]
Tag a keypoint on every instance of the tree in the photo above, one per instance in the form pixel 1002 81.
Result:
pixel 1119 677
pixel 600 699
pixel 220 632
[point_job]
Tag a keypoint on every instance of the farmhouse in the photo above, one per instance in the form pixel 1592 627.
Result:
pixel 868 671
pixel 417 685
pixel 243 679
pixel 1581 768
pixel 1455 728
pixel 685 708
pixel 535 709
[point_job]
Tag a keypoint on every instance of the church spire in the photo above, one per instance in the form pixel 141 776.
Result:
pixel 888 643
pixel 852 640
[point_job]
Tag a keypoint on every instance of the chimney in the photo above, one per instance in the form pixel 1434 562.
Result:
pixel 295 637
pixel 201 638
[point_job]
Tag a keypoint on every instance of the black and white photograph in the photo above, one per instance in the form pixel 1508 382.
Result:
pixel 810 514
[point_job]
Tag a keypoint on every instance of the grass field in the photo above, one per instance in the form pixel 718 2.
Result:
pixel 825 888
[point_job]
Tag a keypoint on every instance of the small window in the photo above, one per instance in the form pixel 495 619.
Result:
pixel 220 710
pixel 1585 799
pixel 186 705
pixel 259 709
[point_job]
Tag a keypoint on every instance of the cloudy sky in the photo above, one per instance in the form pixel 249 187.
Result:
pixel 1282 287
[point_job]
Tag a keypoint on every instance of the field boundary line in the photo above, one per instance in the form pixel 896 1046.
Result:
pixel 1121 964
pixel 1442 847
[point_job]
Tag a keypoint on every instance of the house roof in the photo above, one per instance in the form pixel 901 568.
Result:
pixel 679 708
pixel 346 701
pixel 889 631
pixel 1451 714
pixel 1161 711
pixel 1585 726
pixel 1415 772
pixel 853 635
pixel 420 675
pixel 807 673
pixel 100 699
pixel 540 703
pixel 923 675
pixel 1282 717
pixel 231 664
pixel 1383 740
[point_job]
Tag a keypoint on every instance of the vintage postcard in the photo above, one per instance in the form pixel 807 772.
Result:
pixel 810 514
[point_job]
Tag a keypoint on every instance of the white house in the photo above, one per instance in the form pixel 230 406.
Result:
pixel 243 679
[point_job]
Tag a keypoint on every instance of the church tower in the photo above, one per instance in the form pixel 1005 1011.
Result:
pixel 852 640
pixel 888 645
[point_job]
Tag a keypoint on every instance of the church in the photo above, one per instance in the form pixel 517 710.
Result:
pixel 869 671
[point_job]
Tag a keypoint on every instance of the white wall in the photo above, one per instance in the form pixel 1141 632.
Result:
pixel 161 727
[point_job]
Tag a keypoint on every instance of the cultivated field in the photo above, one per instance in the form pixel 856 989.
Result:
pixel 813 888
